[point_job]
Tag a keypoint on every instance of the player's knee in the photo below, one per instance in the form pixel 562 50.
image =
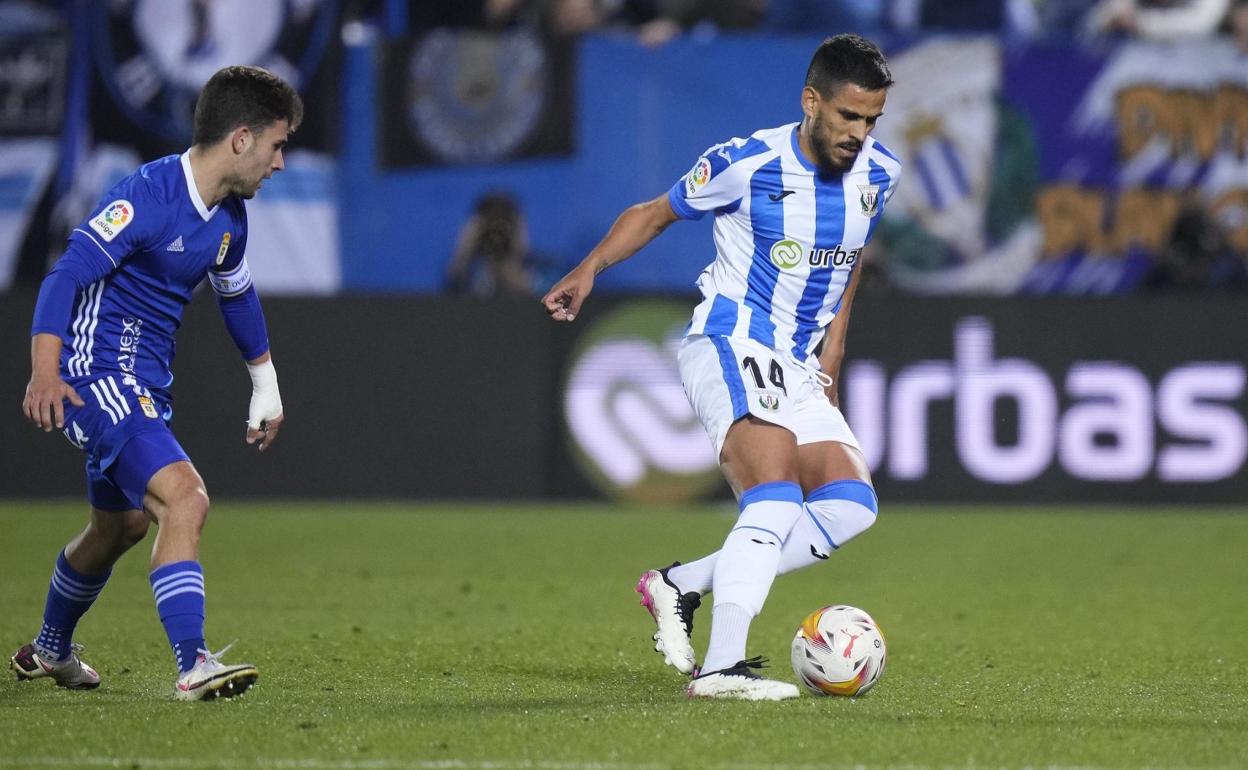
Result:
pixel 844 509
pixel 133 528
pixel 187 509
pixel 195 503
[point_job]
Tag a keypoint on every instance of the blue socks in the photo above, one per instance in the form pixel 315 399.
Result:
pixel 179 592
pixel 70 595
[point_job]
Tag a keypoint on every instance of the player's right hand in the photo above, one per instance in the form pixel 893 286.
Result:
pixel 564 299
pixel 44 404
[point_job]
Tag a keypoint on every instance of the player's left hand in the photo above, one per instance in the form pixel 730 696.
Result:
pixel 266 433
pixel 264 414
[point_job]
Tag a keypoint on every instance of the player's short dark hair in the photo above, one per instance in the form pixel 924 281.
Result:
pixel 243 96
pixel 847 59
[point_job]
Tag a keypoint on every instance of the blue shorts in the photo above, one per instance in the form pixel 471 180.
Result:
pixel 124 432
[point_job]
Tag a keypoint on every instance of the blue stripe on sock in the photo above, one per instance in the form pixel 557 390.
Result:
pixel 780 491
pixel 815 520
pixel 179 593
pixel 760 529
pixel 70 595
pixel 851 489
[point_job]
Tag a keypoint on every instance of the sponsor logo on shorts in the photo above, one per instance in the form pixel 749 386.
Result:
pixel 78 438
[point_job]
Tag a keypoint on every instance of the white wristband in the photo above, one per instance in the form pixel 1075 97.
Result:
pixel 266 401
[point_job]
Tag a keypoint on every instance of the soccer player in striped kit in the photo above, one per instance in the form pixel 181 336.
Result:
pixel 794 207
pixel 103 341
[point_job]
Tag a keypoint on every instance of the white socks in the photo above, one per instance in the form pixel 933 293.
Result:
pixel 747 566
pixel 741 573
pixel 834 514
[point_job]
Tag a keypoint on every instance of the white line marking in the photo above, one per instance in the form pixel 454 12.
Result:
pixel 436 764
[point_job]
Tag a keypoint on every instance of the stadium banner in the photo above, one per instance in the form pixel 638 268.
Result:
pixel 34 57
pixel 460 96
pixel 26 169
pixel 1068 169
pixel 953 400
pixel 384 397
pixel 148 62
pixel 1063 170
pixel 1070 400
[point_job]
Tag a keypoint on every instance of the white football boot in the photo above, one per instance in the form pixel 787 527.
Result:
pixel 210 678
pixel 673 614
pixel 71 673
pixel 741 683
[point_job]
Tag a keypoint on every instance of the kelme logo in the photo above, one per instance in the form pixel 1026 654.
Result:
pixel 786 254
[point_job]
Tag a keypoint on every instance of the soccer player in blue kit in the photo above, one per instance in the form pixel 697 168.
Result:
pixel 794 207
pixel 103 341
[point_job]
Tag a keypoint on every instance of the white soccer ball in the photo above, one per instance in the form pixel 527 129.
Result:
pixel 838 650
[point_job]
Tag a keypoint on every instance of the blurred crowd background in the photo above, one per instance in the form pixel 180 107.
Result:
pixel 482 146
pixel 655 22
pixel 1051 308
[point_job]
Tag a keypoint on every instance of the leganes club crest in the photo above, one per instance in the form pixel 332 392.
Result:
pixel 869 198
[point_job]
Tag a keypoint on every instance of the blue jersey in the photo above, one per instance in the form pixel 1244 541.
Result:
pixel 145 249
pixel 787 238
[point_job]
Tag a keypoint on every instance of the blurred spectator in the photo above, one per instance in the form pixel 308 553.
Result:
pixel 1063 18
pixel 1156 19
pixel 570 18
pixel 1237 21
pixel 1015 17
pixel 679 16
pixel 1198 256
pixel 492 250
pixel 25 17
pixel 478 14
pixel 827 17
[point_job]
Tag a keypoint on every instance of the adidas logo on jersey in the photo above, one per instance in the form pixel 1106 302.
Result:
pixel 176 245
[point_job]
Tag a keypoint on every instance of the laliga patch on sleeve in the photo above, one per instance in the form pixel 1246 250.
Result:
pixel 113 219
pixel 232 283
pixel 698 176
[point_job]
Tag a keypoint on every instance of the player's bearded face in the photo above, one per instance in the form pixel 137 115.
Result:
pixel 839 124
pixel 261 160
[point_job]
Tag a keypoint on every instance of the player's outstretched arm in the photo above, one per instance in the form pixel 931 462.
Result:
pixel 633 229
pixel 44 403
pixel 833 352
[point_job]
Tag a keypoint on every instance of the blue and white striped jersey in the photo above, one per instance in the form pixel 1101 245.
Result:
pixel 787 239
pixel 145 249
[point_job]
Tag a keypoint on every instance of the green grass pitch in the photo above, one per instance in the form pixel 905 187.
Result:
pixel 445 637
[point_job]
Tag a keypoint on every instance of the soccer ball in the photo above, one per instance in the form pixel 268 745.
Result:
pixel 838 650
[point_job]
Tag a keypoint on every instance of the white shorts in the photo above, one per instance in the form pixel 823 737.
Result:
pixel 726 378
